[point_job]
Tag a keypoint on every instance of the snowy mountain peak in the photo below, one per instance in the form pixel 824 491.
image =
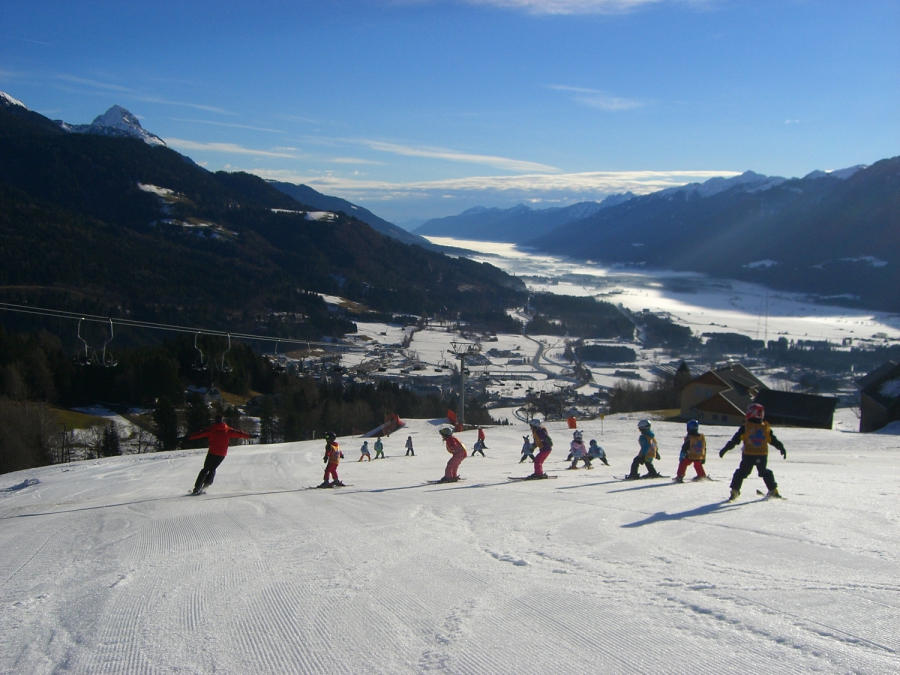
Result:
pixel 749 181
pixel 118 118
pixel 116 121
pixel 8 101
pixel 843 174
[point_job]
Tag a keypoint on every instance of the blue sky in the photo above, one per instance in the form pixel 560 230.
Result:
pixel 422 108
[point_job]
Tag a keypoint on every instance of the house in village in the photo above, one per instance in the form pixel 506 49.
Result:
pixel 720 396
pixel 792 409
pixel 879 397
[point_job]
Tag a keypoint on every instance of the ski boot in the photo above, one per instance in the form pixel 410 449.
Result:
pixel 773 494
pixel 536 476
pixel 632 476
pixel 678 479
pixel 337 483
pixel 325 484
pixel 445 479
pixel 734 495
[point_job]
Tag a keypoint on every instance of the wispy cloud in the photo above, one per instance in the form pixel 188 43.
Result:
pixel 228 124
pixel 96 84
pixel 600 100
pixel 354 160
pixel 184 104
pixel 590 183
pixel 568 6
pixel 224 147
pixel 504 163
pixel 137 95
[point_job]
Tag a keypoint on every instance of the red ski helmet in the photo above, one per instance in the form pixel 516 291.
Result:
pixel 755 412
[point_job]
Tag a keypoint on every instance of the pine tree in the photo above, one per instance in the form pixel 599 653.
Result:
pixel 165 421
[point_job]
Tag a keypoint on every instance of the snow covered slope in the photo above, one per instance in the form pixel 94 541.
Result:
pixel 108 567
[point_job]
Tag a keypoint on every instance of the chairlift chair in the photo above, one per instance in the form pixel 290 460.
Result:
pixel 200 362
pixel 223 365
pixel 91 357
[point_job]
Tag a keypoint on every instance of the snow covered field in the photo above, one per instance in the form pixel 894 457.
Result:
pixel 704 304
pixel 106 566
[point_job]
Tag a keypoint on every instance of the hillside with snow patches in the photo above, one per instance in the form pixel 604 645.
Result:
pixel 107 566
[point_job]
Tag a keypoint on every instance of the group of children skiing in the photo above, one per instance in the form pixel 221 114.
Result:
pixel 754 434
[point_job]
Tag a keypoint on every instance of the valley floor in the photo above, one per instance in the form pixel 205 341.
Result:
pixel 107 566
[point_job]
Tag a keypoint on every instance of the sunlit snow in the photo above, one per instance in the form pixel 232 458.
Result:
pixel 107 566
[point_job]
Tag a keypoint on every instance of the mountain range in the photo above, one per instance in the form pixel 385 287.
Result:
pixel 116 223
pixel 834 235
pixel 518 225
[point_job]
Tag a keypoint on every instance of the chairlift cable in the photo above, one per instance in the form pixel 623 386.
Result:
pixel 62 314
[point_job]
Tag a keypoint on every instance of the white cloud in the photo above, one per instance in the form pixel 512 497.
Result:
pixel 354 160
pixel 590 184
pixel 568 6
pixel 504 163
pixel 223 147
pixel 600 100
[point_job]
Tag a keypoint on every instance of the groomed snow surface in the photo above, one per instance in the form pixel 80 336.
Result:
pixel 109 567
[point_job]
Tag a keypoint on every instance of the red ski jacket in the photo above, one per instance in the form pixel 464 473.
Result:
pixel 219 435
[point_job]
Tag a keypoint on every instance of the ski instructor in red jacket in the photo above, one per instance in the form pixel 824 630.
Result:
pixel 219 435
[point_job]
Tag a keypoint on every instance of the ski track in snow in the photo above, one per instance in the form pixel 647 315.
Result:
pixel 107 566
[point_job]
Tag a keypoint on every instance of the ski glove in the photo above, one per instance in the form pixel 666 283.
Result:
pixel 722 452
pixel 325 459
pixel 784 453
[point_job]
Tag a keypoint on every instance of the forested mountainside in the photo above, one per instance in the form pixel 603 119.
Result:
pixel 113 225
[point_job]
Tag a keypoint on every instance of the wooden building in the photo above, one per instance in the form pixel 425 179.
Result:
pixel 720 396
pixel 879 397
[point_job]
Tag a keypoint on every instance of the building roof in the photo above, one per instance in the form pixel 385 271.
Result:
pixel 875 375
pixel 787 407
pixel 885 389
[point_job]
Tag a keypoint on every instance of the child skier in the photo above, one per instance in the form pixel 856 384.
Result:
pixel 596 452
pixel 481 438
pixel 543 443
pixel 379 448
pixel 364 452
pixel 409 447
pixel 647 453
pixel 527 449
pixel 693 451
pixel 333 457
pixel 578 451
pixel 219 434
pixel 455 448
pixel 756 436
pixel 478 447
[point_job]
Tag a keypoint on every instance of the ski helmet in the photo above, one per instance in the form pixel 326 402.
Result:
pixel 755 412
pixel 643 425
pixel 330 435
pixel 693 426
pixel 578 435
pixel 535 422
pixel 446 432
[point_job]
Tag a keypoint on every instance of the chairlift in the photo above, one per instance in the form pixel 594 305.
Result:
pixel 107 360
pixel 223 365
pixel 200 362
pixel 91 357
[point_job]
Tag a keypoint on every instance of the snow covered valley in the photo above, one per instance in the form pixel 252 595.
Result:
pixel 107 566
